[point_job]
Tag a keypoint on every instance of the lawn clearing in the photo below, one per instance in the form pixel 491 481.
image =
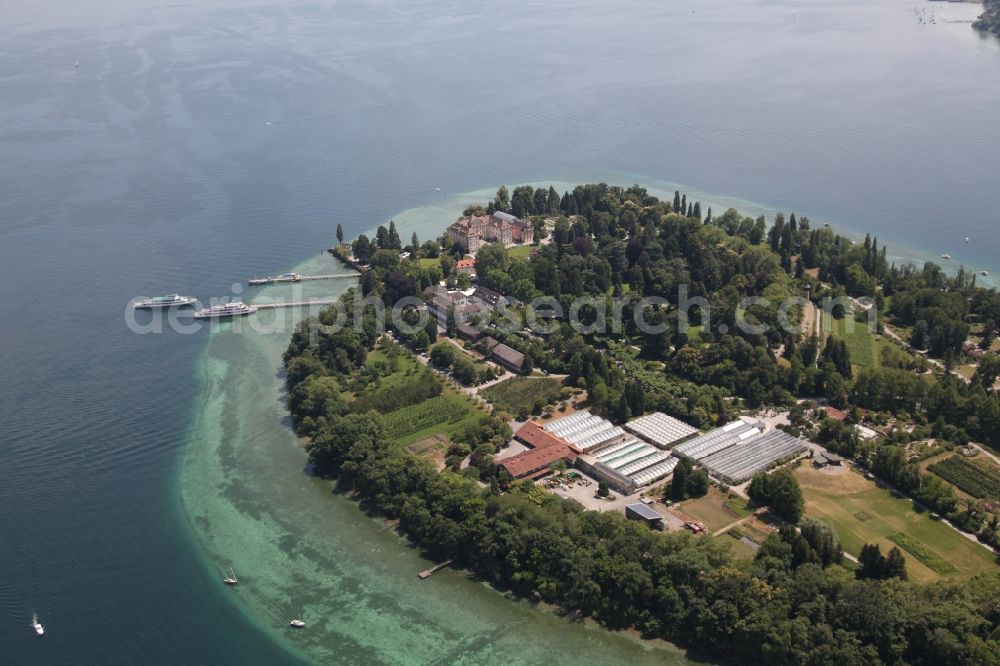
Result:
pixel 858 336
pixel 967 370
pixel 432 448
pixel 740 549
pixel 915 548
pixel 427 445
pixel 405 367
pixel 885 345
pixel 520 251
pixel 713 510
pixel 738 505
pixel 754 529
pixel 861 512
pixel 523 394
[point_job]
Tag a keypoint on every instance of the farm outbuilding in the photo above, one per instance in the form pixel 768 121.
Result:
pixel 535 461
pixel 640 511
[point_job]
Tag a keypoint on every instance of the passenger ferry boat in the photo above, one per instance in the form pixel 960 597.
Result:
pixel 232 309
pixel 284 277
pixel 168 301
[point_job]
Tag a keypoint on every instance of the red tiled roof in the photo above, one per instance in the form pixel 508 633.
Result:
pixel 533 460
pixel 465 263
pixel 536 437
pixel 835 413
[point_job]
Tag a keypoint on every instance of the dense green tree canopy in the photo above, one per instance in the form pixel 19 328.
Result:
pixel 792 605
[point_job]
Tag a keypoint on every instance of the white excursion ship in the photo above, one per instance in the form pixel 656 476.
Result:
pixel 232 309
pixel 168 301
pixel 284 277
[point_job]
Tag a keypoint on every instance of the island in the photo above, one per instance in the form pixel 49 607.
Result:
pixel 763 441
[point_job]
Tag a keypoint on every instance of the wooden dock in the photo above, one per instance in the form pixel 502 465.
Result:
pixel 332 276
pixel 388 526
pixel 427 573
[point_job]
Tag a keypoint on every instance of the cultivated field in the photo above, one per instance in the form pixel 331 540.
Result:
pixel 523 393
pixel 443 415
pixel 977 479
pixel 863 513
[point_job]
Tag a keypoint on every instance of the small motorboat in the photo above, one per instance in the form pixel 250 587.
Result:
pixel 984 273
pixel 231 579
pixel 946 256
pixel 966 239
pixel 37 626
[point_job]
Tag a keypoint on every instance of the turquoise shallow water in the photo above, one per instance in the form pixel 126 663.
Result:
pixel 199 144
pixel 297 547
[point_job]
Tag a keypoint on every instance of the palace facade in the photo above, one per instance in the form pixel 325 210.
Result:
pixel 472 231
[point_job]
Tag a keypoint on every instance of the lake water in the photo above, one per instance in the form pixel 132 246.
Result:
pixel 198 145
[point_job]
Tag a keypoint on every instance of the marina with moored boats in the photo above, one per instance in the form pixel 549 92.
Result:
pixel 239 308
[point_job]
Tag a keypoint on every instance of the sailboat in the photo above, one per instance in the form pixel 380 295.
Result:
pixel 297 623
pixel 39 629
pixel 231 579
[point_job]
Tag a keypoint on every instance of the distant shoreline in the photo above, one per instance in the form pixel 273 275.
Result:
pixel 900 252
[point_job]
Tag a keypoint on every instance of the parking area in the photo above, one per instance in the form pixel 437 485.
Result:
pixel 575 485
pixel 580 487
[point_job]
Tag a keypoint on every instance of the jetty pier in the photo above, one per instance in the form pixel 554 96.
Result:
pixel 295 277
